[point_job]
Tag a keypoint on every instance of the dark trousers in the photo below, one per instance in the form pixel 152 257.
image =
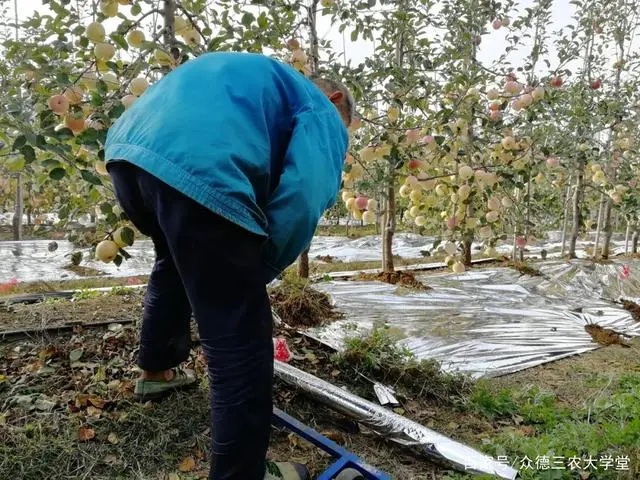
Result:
pixel 210 266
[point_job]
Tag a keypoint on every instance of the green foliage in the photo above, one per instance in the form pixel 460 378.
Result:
pixel 381 356
pixel 605 428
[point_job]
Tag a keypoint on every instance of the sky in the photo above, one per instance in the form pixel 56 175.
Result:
pixel 492 44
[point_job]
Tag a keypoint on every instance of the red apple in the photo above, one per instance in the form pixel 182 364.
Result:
pixel 521 242
pixel 553 161
pixel 477 39
pixel 59 104
pixel 556 82
pixel 596 84
pixel 494 107
pixel 495 116
pixel 361 202
pixel 497 24
pixel 413 164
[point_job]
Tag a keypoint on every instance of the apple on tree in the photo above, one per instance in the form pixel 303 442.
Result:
pixel 59 104
pixel 106 251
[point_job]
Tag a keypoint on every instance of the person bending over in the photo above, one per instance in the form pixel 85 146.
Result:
pixel 227 163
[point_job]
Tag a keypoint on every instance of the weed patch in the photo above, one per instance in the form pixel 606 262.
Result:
pixel 402 279
pixel 298 304
pixel 380 356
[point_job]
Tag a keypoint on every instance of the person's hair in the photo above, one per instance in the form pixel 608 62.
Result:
pixel 328 86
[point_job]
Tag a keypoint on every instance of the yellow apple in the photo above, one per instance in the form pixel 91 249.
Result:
pixel 106 251
pixel 138 86
pixel 104 51
pixel 95 32
pixel 135 38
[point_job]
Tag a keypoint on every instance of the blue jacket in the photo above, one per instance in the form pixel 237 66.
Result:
pixel 246 136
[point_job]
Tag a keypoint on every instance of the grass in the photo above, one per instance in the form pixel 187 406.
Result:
pixel 381 356
pixel 77 284
pixel 544 429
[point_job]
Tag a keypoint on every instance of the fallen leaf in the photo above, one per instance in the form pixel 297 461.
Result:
pixel 110 460
pixel 47 353
pixel 114 327
pixel 399 411
pixel 173 476
pixel 335 373
pixel 85 434
pixel 75 355
pixel 44 405
pixel 336 436
pixel 188 464
pixel 527 431
pixel 2 378
pixel 113 438
pixel 96 401
pixel 93 411
pixel 3 419
pixel 46 370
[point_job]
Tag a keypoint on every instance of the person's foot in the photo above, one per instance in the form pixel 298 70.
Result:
pixel 286 471
pixel 154 386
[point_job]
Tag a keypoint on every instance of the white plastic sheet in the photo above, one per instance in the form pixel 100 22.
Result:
pixel 491 322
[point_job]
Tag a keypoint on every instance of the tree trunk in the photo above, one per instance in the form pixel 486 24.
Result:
pixel 19 210
pixel 608 231
pixel 577 208
pixel 389 222
pixel 634 240
pixel 599 227
pixel 565 220
pixel 626 238
pixel 303 260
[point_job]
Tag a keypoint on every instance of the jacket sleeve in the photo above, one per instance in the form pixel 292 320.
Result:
pixel 309 184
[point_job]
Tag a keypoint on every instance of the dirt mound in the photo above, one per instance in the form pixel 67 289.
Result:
pixel 633 308
pixel 604 336
pixel 300 305
pixel 402 279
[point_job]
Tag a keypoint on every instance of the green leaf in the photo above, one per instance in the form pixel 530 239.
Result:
pixel 136 9
pixel 120 41
pixel 116 111
pixel 125 254
pixel 50 163
pixel 106 208
pixel 75 355
pixel 19 142
pixel 90 177
pixel 16 164
pixel 262 21
pixel 247 19
pixel 354 35
pixel 57 173
pixel 128 235
pixel 28 153
pixel 117 261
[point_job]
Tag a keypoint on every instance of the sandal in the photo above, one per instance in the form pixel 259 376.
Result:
pixel 147 390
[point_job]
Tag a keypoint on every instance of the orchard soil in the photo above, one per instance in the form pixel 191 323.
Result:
pixel 66 408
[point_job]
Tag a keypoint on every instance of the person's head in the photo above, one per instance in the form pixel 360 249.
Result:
pixel 339 95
